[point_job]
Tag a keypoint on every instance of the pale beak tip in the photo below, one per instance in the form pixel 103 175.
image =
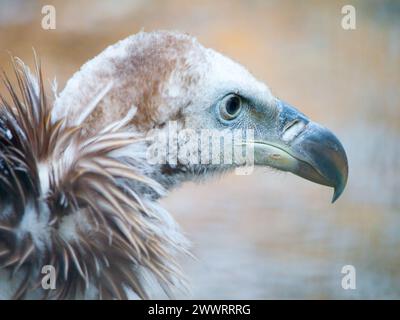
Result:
pixel 339 188
pixel 336 194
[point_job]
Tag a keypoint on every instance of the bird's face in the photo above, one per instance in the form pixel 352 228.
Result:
pixel 228 99
pixel 170 77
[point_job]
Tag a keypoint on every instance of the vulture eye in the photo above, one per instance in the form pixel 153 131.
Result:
pixel 230 107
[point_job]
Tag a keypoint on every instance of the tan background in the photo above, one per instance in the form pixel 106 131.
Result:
pixel 269 235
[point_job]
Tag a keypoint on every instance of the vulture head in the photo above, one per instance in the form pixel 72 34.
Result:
pixel 132 123
pixel 173 80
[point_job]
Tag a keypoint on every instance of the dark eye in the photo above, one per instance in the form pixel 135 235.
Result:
pixel 230 107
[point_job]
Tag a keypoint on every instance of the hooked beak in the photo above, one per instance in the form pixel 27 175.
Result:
pixel 306 149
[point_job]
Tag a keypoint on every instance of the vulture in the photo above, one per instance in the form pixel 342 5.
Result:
pixel 78 190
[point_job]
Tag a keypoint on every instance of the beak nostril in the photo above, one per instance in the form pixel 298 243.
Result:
pixel 292 130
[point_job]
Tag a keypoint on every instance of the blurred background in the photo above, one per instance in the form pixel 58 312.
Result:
pixel 268 235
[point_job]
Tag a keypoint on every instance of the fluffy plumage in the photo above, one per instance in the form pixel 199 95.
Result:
pixel 67 202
